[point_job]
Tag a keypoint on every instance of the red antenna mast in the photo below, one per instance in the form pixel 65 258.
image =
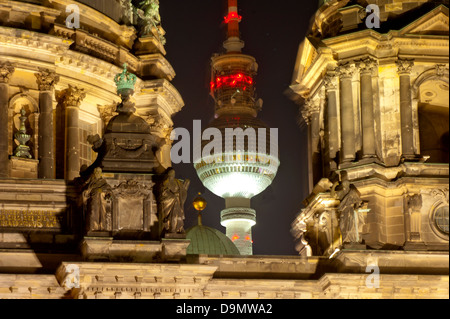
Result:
pixel 233 19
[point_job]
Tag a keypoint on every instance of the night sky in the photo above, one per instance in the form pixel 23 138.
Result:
pixel 272 31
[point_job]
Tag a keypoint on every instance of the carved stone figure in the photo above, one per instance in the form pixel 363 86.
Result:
pixel 414 205
pixel 351 217
pixel 306 250
pixel 96 141
pixel 95 196
pixel 172 199
pixel 150 20
pixel 150 9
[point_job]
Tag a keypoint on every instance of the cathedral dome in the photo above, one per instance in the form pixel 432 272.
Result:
pixel 210 241
pixel 112 9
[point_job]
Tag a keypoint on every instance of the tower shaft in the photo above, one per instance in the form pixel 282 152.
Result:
pixel 239 170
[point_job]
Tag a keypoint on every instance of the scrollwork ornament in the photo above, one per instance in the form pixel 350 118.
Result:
pixel 310 107
pixel 72 96
pixel 404 66
pixel 441 195
pixel 46 79
pixel 330 81
pixel 366 65
pixel 346 70
pixel 6 71
pixel 441 70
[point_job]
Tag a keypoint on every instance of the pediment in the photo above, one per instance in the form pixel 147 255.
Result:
pixel 305 57
pixel 435 22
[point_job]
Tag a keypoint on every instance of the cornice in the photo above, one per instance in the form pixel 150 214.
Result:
pixel 163 90
pixel 356 46
pixel 40 43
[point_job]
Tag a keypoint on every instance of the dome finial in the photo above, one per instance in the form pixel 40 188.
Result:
pixel 125 82
pixel 199 204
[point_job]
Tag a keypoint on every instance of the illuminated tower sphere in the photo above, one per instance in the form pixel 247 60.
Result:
pixel 246 165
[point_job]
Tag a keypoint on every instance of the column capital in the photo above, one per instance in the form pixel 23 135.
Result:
pixel 330 81
pixel 71 97
pixel 6 71
pixel 441 70
pixel 107 112
pixel 366 65
pixel 310 107
pixel 346 70
pixel 404 66
pixel 46 79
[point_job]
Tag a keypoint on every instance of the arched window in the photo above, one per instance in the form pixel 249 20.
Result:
pixel 433 113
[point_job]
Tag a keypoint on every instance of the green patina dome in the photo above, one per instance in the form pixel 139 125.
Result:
pixel 209 241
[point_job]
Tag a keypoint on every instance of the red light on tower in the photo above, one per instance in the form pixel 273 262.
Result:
pixel 233 19
pixel 233 81
pixel 232 16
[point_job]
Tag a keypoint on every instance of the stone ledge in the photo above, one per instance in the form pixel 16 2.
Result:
pixel 108 249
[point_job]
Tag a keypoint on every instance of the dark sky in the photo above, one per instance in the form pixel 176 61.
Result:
pixel 272 31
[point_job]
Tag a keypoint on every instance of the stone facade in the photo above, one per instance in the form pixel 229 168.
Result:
pixel 378 131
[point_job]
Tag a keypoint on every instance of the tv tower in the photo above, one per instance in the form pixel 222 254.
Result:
pixel 240 171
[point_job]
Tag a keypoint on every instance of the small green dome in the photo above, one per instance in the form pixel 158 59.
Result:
pixel 209 241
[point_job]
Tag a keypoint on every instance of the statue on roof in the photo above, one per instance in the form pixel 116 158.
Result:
pixel 150 19
pixel 172 199
pixel 97 196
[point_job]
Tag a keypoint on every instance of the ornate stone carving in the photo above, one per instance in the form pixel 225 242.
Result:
pixel 96 141
pixel 126 148
pixel 134 206
pixel 405 66
pixel 6 71
pixel 330 81
pixel 128 143
pixel 324 221
pixel 172 199
pixel 22 150
pixel 441 70
pixel 310 107
pixel 441 195
pixel 306 249
pixel 46 79
pixel 366 65
pixel 128 16
pixel 107 112
pixel 97 198
pixel 414 204
pixel 150 20
pixel 351 219
pixel 72 96
pixel 346 70
pixel 132 189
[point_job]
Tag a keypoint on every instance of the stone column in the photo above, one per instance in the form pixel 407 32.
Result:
pixel 46 81
pixel 345 72
pixel 404 70
pixel 368 125
pixel 71 99
pixel 332 114
pixel 6 71
pixel 311 114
